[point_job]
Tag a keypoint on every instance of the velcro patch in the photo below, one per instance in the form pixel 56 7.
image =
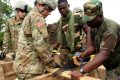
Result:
pixel 40 24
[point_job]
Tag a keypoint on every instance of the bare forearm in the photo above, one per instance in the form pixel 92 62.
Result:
pixel 90 50
pixel 95 62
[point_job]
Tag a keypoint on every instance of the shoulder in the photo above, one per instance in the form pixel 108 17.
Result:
pixel 11 20
pixel 112 26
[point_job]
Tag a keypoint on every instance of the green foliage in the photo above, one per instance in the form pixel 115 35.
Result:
pixel 5 13
pixel 5 10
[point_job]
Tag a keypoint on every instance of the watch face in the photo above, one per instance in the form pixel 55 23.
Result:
pixel 82 71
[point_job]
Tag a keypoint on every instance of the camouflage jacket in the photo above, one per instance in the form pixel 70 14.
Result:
pixel 70 30
pixel 11 35
pixel 32 45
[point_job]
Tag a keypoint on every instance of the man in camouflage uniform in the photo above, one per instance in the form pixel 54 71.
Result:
pixel 106 42
pixel 33 54
pixel 69 31
pixel 78 11
pixel 12 28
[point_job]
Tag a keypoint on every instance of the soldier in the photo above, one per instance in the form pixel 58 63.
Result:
pixel 78 11
pixel 12 28
pixel 106 42
pixel 68 33
pixel 33 52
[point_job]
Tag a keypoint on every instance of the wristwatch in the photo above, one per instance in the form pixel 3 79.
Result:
pixel 82 71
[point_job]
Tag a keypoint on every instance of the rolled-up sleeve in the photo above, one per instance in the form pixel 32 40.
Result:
pixel 109 41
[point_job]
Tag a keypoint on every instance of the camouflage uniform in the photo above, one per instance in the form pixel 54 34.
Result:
pixel 106 37
pixel 11 35
pixel 31 44
pixel 12 29
pixel 32 55
pixel 68 35
pixel 78 11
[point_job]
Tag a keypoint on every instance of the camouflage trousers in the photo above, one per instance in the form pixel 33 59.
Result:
pixel 25 76
pixel 113 74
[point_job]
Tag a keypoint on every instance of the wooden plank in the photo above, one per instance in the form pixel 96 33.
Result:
pixel 64 76
pixel 88 78
pixel 100 73
pixel 10 74
pixel 1 73
pixel 7 66
pixel 6 70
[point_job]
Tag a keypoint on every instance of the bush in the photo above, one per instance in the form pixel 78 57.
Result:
pixel 1 39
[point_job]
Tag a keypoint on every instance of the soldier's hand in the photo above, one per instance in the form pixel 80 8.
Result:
pixel 2 55
pixel 13 56
pixel 78 56
pixel 75 75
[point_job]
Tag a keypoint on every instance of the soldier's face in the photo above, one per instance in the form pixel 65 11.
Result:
pixel 44 9
pixel 94 23
pixel 21 13
pixel 46 12
pixel 63 8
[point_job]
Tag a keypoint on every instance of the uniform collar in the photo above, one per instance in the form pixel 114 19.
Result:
pixel 16 21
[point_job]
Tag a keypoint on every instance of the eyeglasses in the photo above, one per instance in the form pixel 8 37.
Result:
pixel 23 11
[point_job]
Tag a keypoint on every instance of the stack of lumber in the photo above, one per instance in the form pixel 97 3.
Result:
pixel 65 75
pixel 7 73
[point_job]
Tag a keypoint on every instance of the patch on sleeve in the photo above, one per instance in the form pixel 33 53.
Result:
pixel 40 24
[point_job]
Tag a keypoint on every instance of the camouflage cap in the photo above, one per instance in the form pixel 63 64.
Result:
pixel 92 8
pixel 77 9
pixel 51 3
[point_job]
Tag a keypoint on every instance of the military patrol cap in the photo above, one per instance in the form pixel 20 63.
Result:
pixel 77 9
pixel 51 3
pixel 21 5
pixel 92 8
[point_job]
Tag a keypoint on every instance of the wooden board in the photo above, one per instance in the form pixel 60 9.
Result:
pixel 64 76
pixel 99 73
pixel 1 73
pixel 88 78
pixel 6 70
pixel 7 73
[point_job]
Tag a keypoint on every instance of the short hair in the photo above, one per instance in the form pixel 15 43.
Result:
pixel 61 1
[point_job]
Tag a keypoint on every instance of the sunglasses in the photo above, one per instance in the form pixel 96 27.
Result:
pixel 23 11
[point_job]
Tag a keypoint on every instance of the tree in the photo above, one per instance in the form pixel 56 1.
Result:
pixel 5 13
